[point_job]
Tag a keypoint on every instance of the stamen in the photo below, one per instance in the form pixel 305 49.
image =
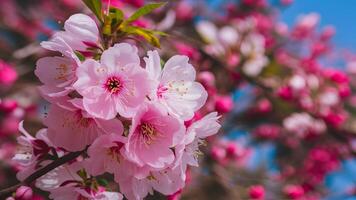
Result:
pixel 148 133
pixel 113 85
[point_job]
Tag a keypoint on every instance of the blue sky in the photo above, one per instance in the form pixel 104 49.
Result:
pixel 339 13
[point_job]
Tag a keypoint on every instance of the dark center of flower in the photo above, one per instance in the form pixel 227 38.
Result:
pixel 113 84
pixel 148 132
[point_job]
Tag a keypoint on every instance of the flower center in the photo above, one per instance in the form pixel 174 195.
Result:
pixel 114 151
pixel 161 90
pixel 148 132
pixel 113 85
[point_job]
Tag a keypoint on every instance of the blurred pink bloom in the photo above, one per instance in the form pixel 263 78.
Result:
pixel 293 191
pixel 319 162
pixel 267 131
pixel 224 104
pixel 8 74
pixel 305 25
pixel 184 11
pixel 302 124
pixel 256 192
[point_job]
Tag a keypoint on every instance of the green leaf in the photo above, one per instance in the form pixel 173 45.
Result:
pixel 79 55
pixel 117 17
pixel 117 13
pixel 96 7
pixel 146 34
pixel 103 182
pixel 144 10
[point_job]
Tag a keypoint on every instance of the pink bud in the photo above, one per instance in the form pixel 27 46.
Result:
pixel 336 75
pixel 344 91
pixel 232 61
pixel 8 75
pixel 335 119
pixel 224 104
pixel 8 105
pixel 293 191
pixel 256 192
pixel 264 106
pixel 285 93
pixel 23 193
pixel 207 79
pixel 268 131
pixel 218 153
pixel 184 11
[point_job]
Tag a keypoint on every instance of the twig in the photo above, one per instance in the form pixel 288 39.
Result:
pixel 56 163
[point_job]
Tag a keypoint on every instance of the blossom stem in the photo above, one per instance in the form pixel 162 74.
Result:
pixel 44 170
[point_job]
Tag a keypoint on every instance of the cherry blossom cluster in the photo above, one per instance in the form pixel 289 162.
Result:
pixel 288 96
pixel 128 118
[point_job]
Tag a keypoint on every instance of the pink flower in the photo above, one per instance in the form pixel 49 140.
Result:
pixel 79 31
pixel 166 181
pixel 256 192
pixel 73 129
pixel 294 191
pixel 187 151
pixel 115 85
pixel 174 86
pixel 105 155
pixel 302 124
pixel 30 151
pixel 224 104
pixel 70 181
pixel 57 74
pixel 152 133
pixel 8 74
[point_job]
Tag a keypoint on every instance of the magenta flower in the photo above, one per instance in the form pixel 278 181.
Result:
pixel 152 134
pixel 8 74
pixel 115 85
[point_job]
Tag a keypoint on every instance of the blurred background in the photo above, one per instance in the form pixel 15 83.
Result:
pixel 280 72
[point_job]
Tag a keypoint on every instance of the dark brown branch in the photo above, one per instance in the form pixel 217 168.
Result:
pixel 44 170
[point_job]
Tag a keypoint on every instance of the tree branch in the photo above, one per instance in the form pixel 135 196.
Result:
pixel 44 170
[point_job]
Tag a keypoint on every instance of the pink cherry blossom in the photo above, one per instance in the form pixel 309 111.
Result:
pixel 65 182
pixel 105 155
pixel 166 181
pixel 187 150
pixel 74 129
pixel 116 84
pixel 31 149
pixel 174 85
pixel 57 74
pixel 79 31
pixel 152 133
